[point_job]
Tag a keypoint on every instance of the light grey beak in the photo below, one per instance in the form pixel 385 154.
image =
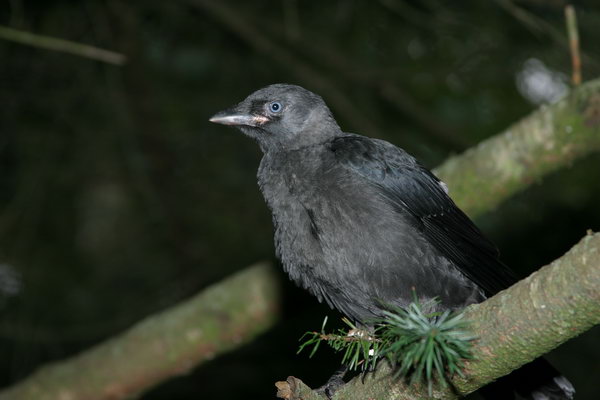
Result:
pixel 232 117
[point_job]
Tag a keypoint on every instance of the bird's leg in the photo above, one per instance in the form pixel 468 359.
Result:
pixel 334 383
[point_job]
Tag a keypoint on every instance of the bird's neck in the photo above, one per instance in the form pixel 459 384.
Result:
pixel 305 139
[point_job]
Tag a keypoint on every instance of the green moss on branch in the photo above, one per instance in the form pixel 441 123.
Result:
pixel 549 139
pixel 220 318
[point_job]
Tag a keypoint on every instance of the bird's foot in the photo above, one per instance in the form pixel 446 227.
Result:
pixel 334 383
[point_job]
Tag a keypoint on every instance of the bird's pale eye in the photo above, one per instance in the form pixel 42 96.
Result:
pixel 275 107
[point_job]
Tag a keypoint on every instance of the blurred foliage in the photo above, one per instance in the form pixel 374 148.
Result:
pixel 118 198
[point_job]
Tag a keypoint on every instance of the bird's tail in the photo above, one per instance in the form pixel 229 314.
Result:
pixel 537 380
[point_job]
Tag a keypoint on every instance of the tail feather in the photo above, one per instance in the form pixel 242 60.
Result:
pixel 537 380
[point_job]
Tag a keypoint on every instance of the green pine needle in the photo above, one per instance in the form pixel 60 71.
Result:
pixel 427 348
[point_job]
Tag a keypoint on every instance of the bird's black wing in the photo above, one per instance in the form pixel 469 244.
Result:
pixel 414 191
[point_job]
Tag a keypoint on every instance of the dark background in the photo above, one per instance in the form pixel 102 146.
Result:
pixel 118 198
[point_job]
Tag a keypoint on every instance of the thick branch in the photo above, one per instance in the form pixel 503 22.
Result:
pixel 218 319
pixel 548 139
pixel 553 305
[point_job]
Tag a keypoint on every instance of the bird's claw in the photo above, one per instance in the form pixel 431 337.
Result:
pixel 334 383
pixel 332 386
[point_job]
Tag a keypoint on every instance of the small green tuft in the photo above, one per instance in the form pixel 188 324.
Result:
pixel 360 348
pixel 427 348
pixel 423 347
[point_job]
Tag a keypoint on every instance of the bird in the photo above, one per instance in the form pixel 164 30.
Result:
pixel 362 225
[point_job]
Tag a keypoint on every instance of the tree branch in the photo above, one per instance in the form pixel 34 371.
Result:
pixel 539 27
pixel 573 35
pixel 553 305
pixel 65 46
pixel 548 139
pixel 220 318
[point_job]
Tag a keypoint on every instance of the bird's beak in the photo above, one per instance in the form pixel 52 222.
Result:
pixel 235 118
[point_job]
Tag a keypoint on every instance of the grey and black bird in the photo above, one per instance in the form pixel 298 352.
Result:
pixel 359 222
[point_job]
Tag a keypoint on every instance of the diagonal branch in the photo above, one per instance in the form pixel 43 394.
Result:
pixel 547 140
pixel 519 324
pixel 164 345
pixel 61 45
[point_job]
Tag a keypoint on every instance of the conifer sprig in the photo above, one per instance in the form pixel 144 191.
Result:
pixel 427 348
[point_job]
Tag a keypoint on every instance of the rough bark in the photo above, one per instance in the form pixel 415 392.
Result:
pixel 220 318
pixel 519 324
pixel 548 139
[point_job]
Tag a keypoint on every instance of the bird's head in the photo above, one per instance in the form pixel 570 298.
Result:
pixel 281 116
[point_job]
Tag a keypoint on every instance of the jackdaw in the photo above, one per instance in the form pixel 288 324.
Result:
pixel 360 223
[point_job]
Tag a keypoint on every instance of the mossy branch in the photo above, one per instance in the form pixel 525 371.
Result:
pixel 220 318
pixel 553 305
pixel 549 139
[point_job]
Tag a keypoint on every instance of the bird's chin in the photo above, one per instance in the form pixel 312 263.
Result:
pixel 261 136
pixel 253 132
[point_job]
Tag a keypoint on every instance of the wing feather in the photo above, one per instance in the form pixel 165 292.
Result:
pixel 414 191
